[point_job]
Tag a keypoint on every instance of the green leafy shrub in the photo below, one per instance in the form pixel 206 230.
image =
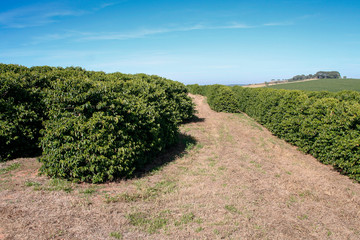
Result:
pixel 196 89
pixel 21 116
pixel 221 98
pixel 94 126
pixel 324 124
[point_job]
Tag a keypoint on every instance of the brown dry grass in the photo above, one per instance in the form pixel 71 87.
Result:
pixel 237 182
pixel 258 85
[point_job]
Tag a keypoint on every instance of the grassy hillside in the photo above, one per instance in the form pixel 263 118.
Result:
pixel 332 85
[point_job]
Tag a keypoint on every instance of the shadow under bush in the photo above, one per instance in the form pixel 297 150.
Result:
pixel 184 144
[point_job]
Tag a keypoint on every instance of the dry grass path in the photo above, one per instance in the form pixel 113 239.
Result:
pixel 237 182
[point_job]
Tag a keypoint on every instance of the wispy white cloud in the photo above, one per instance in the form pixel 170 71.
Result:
pixel 274 24
pixel 39 15
pixel 58 36
pixel 147 32
pixel 142 33
pixel 35 15
pixel 49 54
pixel 109 4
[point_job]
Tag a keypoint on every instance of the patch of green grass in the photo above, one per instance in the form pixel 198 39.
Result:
pixel 222 168
pixel 89 191
pixel 125 197
pixel 185 219
pixel 57 184
pixel 54 184
pixel 303 217
pixel 151 224
pixel 291 201
pixel 146 192
pixel 111 199
pixel 10 168
pixel 248 121
pixel 32 184
pixel 225 135
pixel 273 140
pixel 306 193
pixel 232 209
pixel 140 184
pixel 189 146
pixel 200 172
pixel 262 143
pixel 162 187
pixel 257 165
pixel 212 161
pixel 187 129
pixel 199 146
pixel 331 85
pixel 58 233
pixel 182 168
pixel 188 141
pixel 156 170
pixel 257 227
pixel 116 235
pixel 3 184
pixel 138 219
pixel 199 229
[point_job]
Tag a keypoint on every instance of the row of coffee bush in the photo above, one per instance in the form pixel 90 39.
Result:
pixel 323 124
pixel 88 126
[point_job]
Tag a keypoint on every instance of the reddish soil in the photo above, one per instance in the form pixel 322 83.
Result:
pixel 237 182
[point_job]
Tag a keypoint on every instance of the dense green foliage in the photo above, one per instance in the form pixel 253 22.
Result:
pixel 93 126
pixel 332 85
pixel 21 112
pixel 327 74
pixel 319 75
pixel 222 99
pixel 324 124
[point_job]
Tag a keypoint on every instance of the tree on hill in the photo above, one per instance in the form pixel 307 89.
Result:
pixel 319 75
pixel 330 74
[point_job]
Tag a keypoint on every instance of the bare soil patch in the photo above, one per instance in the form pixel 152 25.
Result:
pixel 236 181
pixel 257 85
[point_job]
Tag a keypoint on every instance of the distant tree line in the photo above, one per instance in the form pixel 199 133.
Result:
pixel 319 75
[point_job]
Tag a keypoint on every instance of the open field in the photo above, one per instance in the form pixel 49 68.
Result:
pixel 332 85
pixel 257 85
pixel 229 178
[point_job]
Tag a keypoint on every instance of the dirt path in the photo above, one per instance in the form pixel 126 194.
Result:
pixel 257 85
pixel 237 182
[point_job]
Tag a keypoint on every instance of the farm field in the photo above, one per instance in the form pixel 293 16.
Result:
pixel 229 178
pixel 331 85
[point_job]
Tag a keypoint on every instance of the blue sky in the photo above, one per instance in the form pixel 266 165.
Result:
pixel 203 42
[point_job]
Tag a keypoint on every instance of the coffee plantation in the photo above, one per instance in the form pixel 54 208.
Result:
pixel 323 124
pixel 88 126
